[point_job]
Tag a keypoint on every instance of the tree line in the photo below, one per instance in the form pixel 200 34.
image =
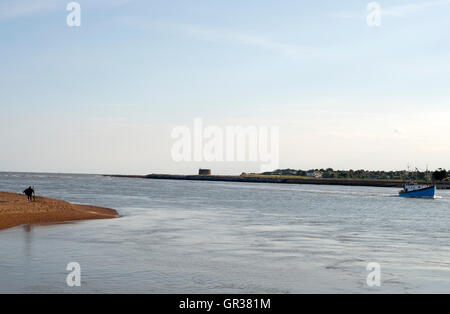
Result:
pixel 438 175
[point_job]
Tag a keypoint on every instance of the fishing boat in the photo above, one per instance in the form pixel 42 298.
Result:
pixel 418 190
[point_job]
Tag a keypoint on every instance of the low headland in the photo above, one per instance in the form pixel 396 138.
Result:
pixel 16 210
pixel 284 179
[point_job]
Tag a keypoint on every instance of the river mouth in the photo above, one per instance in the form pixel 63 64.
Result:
pixel 219 237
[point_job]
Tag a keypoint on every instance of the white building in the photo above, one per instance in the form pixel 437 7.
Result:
pixel 314 174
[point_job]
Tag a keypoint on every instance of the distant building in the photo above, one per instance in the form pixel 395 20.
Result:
pixel 204 172
pixel 314 174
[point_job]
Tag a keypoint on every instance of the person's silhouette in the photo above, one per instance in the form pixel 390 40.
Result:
pixel 29 193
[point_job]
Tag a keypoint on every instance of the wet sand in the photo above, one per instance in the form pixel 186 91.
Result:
pixel 16 210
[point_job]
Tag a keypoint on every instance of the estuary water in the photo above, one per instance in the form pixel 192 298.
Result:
pixel 217 237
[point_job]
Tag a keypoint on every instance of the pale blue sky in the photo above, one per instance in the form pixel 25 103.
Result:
pixel 104 97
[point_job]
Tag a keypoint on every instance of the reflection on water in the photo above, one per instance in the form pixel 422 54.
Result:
pixel 28 239
pixel 204 237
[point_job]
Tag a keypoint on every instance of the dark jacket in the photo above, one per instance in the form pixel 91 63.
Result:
pixel 29 192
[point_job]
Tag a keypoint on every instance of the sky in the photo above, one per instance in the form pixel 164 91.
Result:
pixel 105 97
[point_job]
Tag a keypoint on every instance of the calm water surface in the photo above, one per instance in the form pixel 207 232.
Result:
pixel 213 237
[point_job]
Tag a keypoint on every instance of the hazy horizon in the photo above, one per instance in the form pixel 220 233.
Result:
pixel 104 97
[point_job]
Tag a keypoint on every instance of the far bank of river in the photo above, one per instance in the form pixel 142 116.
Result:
pixel 281 179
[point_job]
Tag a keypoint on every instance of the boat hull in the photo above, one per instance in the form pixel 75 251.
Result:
pixel 429 192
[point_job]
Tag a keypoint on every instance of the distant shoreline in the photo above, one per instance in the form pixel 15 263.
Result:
pixel 16 210
pixel 279 180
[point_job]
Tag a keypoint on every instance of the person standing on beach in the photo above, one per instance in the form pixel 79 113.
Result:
pixel 29 193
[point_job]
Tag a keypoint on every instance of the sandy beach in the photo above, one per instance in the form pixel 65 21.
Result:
pixel 16 210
